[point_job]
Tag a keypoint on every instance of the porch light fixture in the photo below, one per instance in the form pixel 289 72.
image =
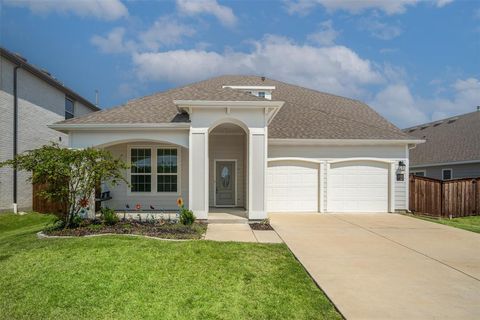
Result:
pixel 401 166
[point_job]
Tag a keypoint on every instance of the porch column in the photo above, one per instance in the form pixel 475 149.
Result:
pixel 257 168
pixel 198 172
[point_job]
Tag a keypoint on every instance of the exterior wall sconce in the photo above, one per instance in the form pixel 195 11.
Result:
pixel 401 166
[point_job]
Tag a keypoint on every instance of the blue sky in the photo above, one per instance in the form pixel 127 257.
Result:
pixel 413 61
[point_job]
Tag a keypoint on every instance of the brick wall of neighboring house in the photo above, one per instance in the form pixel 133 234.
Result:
pixel 39 104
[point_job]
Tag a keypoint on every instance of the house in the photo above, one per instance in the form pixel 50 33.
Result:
pixel 254 143
pixel 452 148
pixel 30 99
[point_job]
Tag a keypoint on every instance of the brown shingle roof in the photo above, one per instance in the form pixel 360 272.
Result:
pixel 449 140
pixel 306 114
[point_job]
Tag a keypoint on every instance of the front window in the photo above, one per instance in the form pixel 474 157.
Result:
pixel 69 108
pixel 167 170
pixel 141 170
pixel 261 94
pixel 447 174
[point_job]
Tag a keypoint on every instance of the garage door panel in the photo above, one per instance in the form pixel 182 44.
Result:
pixel 292 186
pixel 357 186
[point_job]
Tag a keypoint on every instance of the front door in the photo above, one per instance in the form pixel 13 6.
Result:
pixel 225 183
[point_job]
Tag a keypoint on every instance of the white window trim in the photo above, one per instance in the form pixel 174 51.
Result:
pixel 154 174
pixel 451 173
pixel 422 171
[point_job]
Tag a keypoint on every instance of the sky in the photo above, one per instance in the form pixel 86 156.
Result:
pixel 412 61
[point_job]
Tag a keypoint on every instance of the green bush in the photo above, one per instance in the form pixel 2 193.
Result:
pixel 57 225
pixel 109 216
pixel 186 217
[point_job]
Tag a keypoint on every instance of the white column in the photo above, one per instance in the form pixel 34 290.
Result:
pixel 198 172
pixel 257 166
pixel 391 193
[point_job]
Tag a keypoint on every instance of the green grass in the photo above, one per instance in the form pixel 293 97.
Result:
pixel 119 277
pixel 467 223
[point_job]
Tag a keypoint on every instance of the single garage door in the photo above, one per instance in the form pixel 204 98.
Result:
pixel 292 186
pixel 357 186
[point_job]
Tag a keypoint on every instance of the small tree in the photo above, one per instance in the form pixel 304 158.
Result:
pixel 70 175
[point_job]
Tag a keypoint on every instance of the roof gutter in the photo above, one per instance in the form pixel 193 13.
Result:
pixel 65 127
pixel 346 142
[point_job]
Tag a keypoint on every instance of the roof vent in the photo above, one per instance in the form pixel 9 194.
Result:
pixel 19 56
pixel 424 127
pixel 46 72
pixel 437 124
pixel 263 78
pixel 411 130
pixel 452 120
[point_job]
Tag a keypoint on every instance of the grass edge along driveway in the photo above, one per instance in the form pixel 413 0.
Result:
pixel 119 277
pixel 471 223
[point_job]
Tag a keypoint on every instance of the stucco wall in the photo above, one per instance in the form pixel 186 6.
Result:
pixel 468 170
pixel 120 194
pixel 395 153
pixel 228 147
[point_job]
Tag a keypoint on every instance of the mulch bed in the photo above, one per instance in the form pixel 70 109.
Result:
pixel 158 229
pixel 261 226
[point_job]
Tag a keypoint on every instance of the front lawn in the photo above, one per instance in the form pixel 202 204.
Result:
pixel 117 277
pixel 468 223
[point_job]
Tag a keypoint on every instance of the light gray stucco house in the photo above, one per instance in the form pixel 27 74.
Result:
pixel 30 99
pixel 254 143
pixel 451 150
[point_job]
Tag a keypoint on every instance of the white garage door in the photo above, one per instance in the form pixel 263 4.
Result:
pixel 357 186
pixel 292 186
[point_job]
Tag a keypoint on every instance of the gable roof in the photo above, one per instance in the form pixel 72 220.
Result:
pixel 448 140
pixel 45 76
pixel 306 114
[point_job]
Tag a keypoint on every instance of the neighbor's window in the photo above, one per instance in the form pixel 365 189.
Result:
pixel 261 94
pixel 141 170
pixel 167 170
pixel 69 106
pixel 419 173
pixel 447 174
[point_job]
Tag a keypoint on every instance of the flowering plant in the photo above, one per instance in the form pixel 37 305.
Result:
pixel 180 202
pixel 138 206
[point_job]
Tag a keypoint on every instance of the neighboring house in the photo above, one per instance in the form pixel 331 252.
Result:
pixel 253 143
pixel 451 150
pixel 30 99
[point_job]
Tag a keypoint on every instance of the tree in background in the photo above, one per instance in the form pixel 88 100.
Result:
pixel 70 175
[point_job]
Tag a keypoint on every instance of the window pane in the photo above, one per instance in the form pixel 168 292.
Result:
pixel 141 183
pixel 447 174
pixel 167 160
pixel 69 105
pixel 141 161
pixel 167 183
pixel 68 115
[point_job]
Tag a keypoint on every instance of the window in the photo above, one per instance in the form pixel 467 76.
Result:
pixel 69 108
pixel 447 174
pixel 141 170
pixel 419 173
pixel 261 94
pixel 167 170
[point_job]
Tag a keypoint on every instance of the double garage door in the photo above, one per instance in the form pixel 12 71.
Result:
pixel 351 186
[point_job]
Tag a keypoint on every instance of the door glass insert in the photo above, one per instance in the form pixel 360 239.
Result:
pixel 225 175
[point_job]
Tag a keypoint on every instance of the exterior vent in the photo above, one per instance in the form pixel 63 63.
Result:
pixel 411 130
pixel 452 120
pixel 424 127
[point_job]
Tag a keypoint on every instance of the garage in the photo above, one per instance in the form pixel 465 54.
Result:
pixel 292 186
pixel 358 186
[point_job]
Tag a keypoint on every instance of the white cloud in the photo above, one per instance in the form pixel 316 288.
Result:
pixel 335 69
pixel 101 9
pixel 194 7
pixel 442 3
pixel 113 42
pixel 380 29
pixel 355 7
pixel 165 31
pixel 326 36
pixel 397 103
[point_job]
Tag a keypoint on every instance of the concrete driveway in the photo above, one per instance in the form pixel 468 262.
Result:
pixel 387 266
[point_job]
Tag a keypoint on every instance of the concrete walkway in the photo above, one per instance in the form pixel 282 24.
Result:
pixel 387 266
pixel 240 232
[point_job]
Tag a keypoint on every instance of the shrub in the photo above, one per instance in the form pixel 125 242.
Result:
pixel 109 216
pixel 57 225
pixel 186 217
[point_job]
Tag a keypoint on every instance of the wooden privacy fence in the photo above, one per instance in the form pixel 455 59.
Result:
pixel 450 198
pixel 40 204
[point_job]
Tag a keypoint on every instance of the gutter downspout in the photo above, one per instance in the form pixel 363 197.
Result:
pixel 15 134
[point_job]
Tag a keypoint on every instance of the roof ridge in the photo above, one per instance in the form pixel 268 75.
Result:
pixel 444 119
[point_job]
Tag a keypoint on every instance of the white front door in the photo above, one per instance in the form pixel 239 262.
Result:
pixel 357 186
pixel 225 183
pixel 292 186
